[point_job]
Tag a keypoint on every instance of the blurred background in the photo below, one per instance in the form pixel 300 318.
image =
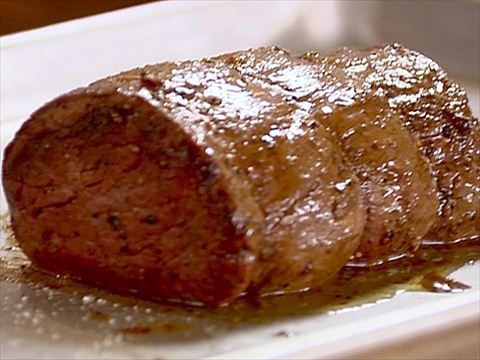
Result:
pixel 447 30
pixel 19 15
pixel 67 55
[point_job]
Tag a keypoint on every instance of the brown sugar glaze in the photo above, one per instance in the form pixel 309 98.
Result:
pixel 230 106
pixel 427 270
pixel 41 307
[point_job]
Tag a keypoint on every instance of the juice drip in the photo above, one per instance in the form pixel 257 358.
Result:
pixel 427 270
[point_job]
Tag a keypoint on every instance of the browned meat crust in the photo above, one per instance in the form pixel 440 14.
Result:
pixel 435 111
pixel 183 181
pixel 254 171
pixel 397 184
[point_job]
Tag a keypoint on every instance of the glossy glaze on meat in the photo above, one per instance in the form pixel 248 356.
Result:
pixel 397 183
pixel 435 110
pixel 278 208
pixel 268 143
pixel 252 172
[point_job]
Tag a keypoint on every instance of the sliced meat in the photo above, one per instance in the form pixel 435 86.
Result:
pixel 435 111
pixel 269 144
pixel 398 187
pixel 397 184
pixel 200 181
pixel 183 181
pixel 106 188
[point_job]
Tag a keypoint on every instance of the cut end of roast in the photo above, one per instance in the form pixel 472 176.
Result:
pixel 115 193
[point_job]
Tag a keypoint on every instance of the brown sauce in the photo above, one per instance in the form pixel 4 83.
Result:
pixel 67 301
pixel 438 283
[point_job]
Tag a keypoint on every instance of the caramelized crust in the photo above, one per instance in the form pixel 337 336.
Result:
pixel 397 184
pixel 435 111
pixel 183 181
pixel 252 172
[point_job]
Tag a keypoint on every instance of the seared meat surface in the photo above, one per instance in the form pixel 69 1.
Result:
pixel 435 111
pixel 252 172
pixel 398 186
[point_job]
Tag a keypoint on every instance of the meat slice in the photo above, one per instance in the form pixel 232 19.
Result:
pixel 185 181
pixel 435 110
pixel 252 172
pixel 106 188
pixel 397 183
pixel 398 187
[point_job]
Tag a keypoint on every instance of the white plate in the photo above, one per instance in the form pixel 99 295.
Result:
pixel 41 64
